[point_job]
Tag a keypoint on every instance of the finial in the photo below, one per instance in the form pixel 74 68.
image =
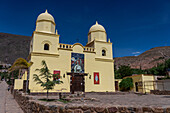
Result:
pixel 46 11
pixel 96 23
pixel 109 40
pixel 56 32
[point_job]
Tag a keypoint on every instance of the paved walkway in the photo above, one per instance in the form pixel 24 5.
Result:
pixel 7 102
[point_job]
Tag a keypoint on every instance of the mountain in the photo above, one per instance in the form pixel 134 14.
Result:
pixel 16 46
pixel 13 47
pixel 146 60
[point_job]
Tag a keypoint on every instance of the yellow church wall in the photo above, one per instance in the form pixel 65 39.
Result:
pixel 42 26
pixel 39 39
pixel 100 36
pixel 63 61
pixel 99 46
pixel 18 84
pixel 61 64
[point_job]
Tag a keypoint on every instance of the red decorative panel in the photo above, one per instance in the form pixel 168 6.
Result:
pixel 58 75
pixel 96 78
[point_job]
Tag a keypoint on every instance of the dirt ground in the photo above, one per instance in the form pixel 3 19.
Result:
pixel 106 100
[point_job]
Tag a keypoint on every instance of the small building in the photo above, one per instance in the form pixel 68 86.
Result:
pixel 143 83
pixel 88 68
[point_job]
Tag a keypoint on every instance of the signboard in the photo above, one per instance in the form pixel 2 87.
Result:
pixel 96 77
pixel 58 75
pixel 77 63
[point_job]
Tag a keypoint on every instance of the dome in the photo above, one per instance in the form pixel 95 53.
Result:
pixel 45 16
pixel 97 27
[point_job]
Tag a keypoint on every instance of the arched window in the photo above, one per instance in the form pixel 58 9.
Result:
pixel 46 46
pixel 103 52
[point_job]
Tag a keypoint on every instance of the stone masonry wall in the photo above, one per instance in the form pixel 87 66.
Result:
pixel 30 106
pixel 158 92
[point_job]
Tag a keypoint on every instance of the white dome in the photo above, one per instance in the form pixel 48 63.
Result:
pixel 97 27
pixel 45 16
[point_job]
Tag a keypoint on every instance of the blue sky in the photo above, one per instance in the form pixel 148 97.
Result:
pixel 133 26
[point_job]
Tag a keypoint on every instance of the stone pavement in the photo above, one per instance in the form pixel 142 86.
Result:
pixel 7 102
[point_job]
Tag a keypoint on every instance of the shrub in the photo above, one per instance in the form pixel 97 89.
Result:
pixel 126 84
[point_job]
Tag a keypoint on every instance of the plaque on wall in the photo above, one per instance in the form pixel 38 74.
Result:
pixel 96 78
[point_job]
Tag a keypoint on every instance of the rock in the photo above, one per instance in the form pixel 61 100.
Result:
pixel 147 109
pixel 123 110
pixel 87 111
pixel 99 109
pixel 112 109
pixel 157 110
pixel 69 111
pixel 78 111
pixel 168 110
pixel 85 107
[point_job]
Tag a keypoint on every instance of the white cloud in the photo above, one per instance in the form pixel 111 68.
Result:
pixel 136 52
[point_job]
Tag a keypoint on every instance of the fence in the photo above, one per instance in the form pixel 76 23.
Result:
pixel 161 85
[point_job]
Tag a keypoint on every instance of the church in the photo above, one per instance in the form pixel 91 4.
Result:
pixel 88 68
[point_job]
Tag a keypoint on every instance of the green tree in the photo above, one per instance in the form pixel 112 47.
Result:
pixel 160 69
pixel 138 71
pixel 19 64
pixel 126 84
pixel 44 78
pixel 123 71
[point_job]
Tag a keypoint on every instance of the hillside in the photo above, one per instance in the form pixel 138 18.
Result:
pixel 146 60
pixel 13 47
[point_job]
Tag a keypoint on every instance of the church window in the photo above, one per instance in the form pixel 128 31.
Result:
pixel 46 46
pixel 103 52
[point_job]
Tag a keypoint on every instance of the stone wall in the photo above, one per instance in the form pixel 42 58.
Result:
pixel 158 92
pixel 30 106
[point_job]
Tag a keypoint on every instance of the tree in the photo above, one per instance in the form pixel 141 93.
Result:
pixel 123 71
pixel 126 84
pixel 45 74
pixel 138 71
pixel 19 64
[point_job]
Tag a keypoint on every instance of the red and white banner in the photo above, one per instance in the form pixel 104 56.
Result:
pixel 96 78
pixel 58 75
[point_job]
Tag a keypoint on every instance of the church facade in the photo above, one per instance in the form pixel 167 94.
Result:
pixel 87 68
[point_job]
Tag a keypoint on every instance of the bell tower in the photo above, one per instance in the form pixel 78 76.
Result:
pixel 97 38
pixel 45 40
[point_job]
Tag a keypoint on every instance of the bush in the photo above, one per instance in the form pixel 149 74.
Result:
pixel 126 84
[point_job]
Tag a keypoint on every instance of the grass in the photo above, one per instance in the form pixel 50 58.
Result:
pixel 64 101
pixel 52 100
pixel 47 100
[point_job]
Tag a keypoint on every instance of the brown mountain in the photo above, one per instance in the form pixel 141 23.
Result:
pixel 16 46
pixel 13 47
pixel 146 60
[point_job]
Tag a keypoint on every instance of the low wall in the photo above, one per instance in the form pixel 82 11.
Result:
pixel 157 92
pixel 29 106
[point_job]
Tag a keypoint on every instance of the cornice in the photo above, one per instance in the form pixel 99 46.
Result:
pixel 102 42
pixel 43 54
pixel 104 59
pixel 67 49
pixel 45 20
pixel 89 52
pixel 97 31
pixel 43 33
